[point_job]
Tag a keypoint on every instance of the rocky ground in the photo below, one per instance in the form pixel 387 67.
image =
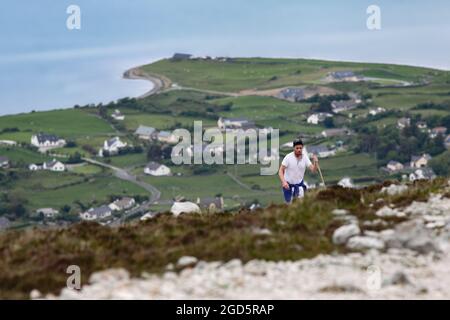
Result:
pixel 408 261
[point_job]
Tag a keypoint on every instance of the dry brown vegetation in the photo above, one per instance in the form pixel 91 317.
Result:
pixel 39 258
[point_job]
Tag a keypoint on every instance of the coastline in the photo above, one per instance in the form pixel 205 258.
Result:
pixel 160 83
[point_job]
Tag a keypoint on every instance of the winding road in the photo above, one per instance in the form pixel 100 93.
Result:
pixel 127 176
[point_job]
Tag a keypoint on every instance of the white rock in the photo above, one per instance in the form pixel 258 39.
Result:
pixel 184 207
pixel 363 243
pixel 413 235
pixel 342 234
pixel 375 223
pixel 261 232
pixel 435 225
pixel 340 212
pixel 35 294
pixel 186 261
pixel 110 275
pixel 388 212
pixel 148 216
pixel 346 183
pixel 372 234
pixel 393 189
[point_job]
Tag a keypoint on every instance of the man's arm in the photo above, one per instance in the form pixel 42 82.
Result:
pixel 314 167
pixel 281 175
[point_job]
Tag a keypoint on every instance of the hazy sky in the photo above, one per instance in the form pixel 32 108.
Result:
pixel 45 65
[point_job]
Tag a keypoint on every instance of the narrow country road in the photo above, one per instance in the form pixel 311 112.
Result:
pixel 126 176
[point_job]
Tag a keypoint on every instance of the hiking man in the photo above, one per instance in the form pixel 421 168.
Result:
pixel 292 171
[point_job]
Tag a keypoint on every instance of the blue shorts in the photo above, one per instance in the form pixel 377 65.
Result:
pixel 293 191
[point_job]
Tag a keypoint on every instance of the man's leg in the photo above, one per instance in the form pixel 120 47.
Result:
pixel 287 195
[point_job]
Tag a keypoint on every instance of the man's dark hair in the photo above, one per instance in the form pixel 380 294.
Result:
pixel 298 143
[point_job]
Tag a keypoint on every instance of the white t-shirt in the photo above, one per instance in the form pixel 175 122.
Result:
pixel 295 167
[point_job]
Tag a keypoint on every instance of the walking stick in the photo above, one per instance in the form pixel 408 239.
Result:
pixel 321 176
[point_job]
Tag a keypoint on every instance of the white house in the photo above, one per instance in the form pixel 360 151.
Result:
pixel 343 105
pixel 335 132
pixel 234 123
pixel 211 205
pixel 394 166
pixel 320 151
pixel 447 142
pixel 113 146
pixel 422 125
pixel 34 167
pixel 145 133
pixel 8 143
pixel 47 212
pixel 316 118
pixel 4 162
pixel 167 137
pixel 96 213
pixel 42 140
pixel 54 165
pixel 346 183
pixel 420 161
pixel 156 169
pixel 374 112
pixel 422 174
pixel 344 76
pixel 117 115
pixel 403 123
pixel 122 204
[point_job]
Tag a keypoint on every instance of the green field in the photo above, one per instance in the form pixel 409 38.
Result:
pixel 21 155
pixel 263 73
pixel 49 189
pixel 68 124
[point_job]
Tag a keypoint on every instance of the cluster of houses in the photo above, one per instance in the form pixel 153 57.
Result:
pixel 422 125
pixel 107 210
pixel 338 107
pixel 418 167
pixel 344 76
pixel 187 56
pixel 54 165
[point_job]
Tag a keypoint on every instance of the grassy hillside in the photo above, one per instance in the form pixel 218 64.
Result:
pixel 39 258
pixel 203 93
pixel 69 124
pixel 263 73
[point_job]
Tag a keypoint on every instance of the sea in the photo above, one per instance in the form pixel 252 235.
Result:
pixel 57 54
